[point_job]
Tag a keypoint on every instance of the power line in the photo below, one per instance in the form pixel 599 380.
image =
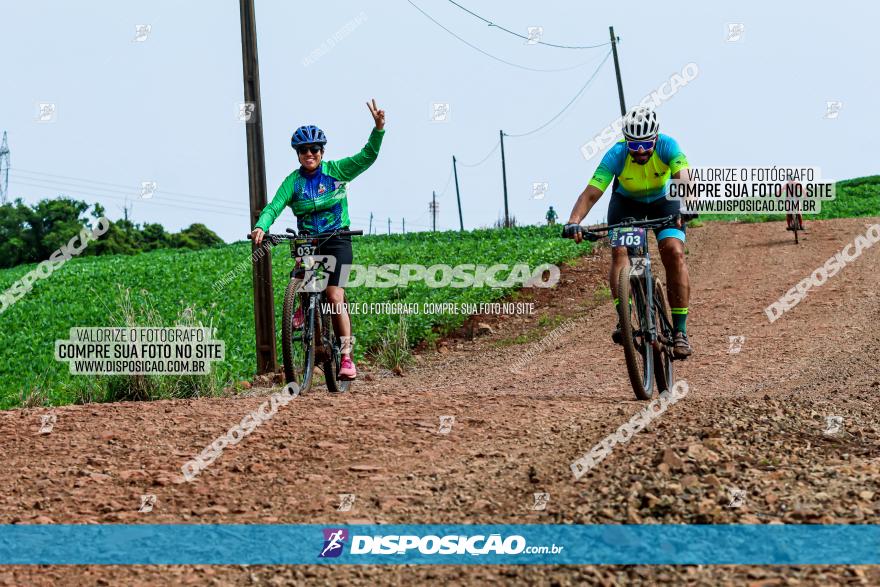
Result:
pixel 123 196
pixel 128 188
pixel 570 102
pixel 498 26
pixel 448 181
pixel 472 46
pixel 86 193
pixel 95 191
pixel 484 159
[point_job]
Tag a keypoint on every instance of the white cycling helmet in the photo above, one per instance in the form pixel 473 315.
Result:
pixel 640 124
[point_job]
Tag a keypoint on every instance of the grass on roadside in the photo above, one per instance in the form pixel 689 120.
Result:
pixel 393 351
pixel 853 198
pixel 138 310
pixel 216 286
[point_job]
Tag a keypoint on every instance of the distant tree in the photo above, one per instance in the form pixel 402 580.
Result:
pixel 14 250
pixel 154 236
pixel 196 236
pixel 52 224
pixel 30 234
pixel 116 241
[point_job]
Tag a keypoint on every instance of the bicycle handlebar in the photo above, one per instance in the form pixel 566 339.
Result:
pixel 591 234
pixel 654 223
pixel 293 234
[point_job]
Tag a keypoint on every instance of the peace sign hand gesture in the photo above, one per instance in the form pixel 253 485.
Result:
pixel 378 115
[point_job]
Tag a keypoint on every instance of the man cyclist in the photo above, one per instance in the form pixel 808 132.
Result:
pixel 794 220
pixel 316 193
pixel 641 166
pixel 551 216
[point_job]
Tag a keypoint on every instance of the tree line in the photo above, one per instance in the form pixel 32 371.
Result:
pixel 30 234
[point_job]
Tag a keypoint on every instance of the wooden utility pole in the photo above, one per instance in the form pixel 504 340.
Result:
pixel 370 231
pixel 617 72
pixel 457 194
pixel 389 225
pixel 504 178
pixel 433 208
pixel 264 309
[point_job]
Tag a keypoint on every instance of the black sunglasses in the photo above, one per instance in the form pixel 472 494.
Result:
pixel 313 149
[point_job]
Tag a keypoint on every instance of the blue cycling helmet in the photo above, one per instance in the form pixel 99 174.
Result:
pixel 308 135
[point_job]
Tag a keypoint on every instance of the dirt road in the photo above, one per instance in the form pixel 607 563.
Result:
pixel 754 426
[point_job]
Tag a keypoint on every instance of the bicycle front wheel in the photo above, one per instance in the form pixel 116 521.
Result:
pixel 634 326
pixel 333 362
pixel 297 341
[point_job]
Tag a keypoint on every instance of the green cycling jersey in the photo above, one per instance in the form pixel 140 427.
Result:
pixel 320 199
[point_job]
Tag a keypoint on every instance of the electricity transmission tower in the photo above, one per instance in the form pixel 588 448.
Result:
pixel 4 170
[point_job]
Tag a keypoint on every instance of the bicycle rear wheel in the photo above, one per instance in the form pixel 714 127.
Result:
pixel 662 356
pixel 633 325
pixel 297 344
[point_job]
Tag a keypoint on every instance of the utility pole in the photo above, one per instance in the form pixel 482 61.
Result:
pixel 370 231
pixel 264 309
pixel 4 170
pixel 432 207
pixel 504 177
pixel 457 194
pixel 389 226
pixel 617 71
pixel 404 225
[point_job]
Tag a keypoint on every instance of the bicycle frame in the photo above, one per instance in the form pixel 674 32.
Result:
pixel 318 333
pixel 648 352
pixel 645 274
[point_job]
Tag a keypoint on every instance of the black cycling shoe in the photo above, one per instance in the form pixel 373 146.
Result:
pixel 617 335
pixel 681 348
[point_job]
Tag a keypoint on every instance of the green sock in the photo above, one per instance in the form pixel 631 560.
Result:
pixel 679 319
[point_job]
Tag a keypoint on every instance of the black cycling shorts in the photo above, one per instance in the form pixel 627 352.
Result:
pixel 622 207
pixel 339 247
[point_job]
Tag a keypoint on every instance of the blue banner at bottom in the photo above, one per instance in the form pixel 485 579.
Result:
pixel 257 544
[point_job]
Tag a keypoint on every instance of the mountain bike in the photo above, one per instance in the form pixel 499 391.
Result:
pixel 645 321
pixel 794 223
pixel 314 342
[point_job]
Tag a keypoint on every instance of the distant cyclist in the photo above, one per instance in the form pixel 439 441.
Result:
pixel 551 216
pixel 316 193
pixel 641 166
pixel 794 220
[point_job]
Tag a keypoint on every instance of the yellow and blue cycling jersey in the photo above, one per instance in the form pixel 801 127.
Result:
pixel 645 183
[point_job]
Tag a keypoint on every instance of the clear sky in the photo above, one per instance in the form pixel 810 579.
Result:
pixel 166 109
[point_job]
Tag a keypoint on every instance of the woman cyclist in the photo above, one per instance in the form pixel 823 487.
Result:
pixel 316 193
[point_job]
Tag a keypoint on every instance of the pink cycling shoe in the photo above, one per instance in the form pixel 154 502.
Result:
pixel 347 370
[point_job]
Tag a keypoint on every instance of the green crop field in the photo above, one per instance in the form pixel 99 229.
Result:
pixel 160 286
pixel 168 287
pixel 853 197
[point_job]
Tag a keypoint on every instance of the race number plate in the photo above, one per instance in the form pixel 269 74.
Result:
pixel 628 236
pixel 302 248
